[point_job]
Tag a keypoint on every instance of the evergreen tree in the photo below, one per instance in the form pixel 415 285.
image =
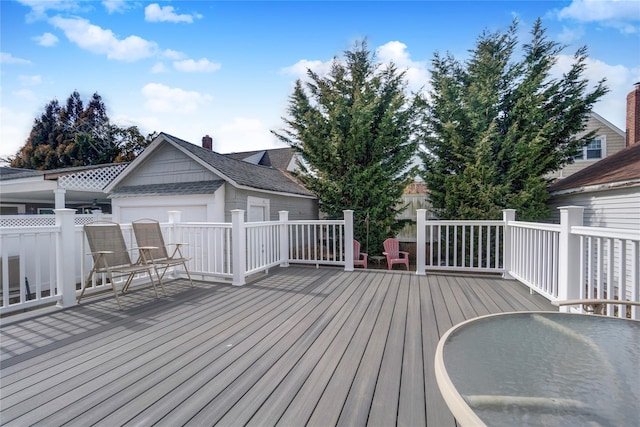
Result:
pixel 77 136
pixel 354 130
pixel 496 127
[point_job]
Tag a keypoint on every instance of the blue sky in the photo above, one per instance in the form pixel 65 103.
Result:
pixel 227 68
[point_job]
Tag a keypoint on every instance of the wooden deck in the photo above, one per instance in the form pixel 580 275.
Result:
pixel 299 346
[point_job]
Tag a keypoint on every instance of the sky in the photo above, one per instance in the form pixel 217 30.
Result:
pixel 227 68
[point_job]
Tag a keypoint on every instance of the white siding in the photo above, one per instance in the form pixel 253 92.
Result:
pixel 616 208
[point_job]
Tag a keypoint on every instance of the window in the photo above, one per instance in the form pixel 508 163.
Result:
pixel 595 150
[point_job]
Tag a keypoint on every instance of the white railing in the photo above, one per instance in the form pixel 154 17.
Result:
pixel 559 261
pixel 465 245
pixel 534 256
pixel 28 268
pixel 47 263
pixel 313 242
pixel 609 267
pixel 208 245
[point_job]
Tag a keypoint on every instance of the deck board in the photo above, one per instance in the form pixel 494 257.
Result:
pixel 301 345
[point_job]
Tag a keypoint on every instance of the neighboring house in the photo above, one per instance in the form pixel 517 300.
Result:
pixel 172 174
pixel 609 191
pixel 283 159
pixel 26 191
pixel 609 140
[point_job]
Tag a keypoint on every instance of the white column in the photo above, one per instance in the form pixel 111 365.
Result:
pixel 569 254
pixel 508 215
pixel 421 242
pixel 348 240
pixel 284 238
pixel 238 247
pixel 66 257
pixel 59 198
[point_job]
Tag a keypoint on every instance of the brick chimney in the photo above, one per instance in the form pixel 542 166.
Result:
pixel 207 142
pixel 633 116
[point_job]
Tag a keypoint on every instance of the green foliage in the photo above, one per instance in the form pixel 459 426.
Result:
pixel 354 130
pixel 77 136
pixel 496 126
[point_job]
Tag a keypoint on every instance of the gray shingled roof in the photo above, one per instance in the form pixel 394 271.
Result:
pixel 622 166
pixel 278 158
pixel 243 173
pixel 199 187
pixel 16 173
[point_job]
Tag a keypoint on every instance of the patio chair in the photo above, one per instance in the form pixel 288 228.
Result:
pixel 359 258
pixel 394 254
pixel 110 255
pixel 595 306
pixel 148 233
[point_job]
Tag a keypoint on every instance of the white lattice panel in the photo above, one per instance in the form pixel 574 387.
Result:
pixel 7 221
pixel 93 179
pixel 27 220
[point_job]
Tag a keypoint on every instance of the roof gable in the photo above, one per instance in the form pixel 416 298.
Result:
pixel 236 172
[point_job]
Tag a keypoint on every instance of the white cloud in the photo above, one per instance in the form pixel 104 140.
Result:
pixel 620 81
pixel 201 66
pixel 155 13
pixel 299 69
pixel 115 5
pixel 570 35
pixel 164 99
pixel 39 8
pixel 173 54
pixel 417 73
pixel 98 40
pixel 47 40
pixel 620 14
pixel 7 58
pixel 243 134
pixel 158 68
pixel 25 95
pixel 14 129
pixel 29 80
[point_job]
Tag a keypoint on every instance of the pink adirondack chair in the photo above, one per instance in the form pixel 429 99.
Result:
pixel 394 254
pixel 359 258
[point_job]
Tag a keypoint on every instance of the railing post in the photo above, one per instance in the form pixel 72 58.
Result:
pixel 174 219
pixel 284 238
pixel 421 242
pixel 238 247
pixel 569 251
pixel 66 257
pixel 348 240
pixel 508 215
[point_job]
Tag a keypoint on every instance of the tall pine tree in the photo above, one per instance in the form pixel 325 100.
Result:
pixel 77 136
pixel 497 126
pixel 354 130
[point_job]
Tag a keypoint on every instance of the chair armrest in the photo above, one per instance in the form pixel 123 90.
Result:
pixel 405 253
pixel 101 252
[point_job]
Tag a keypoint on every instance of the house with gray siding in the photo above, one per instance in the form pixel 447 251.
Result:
pixel 175 175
